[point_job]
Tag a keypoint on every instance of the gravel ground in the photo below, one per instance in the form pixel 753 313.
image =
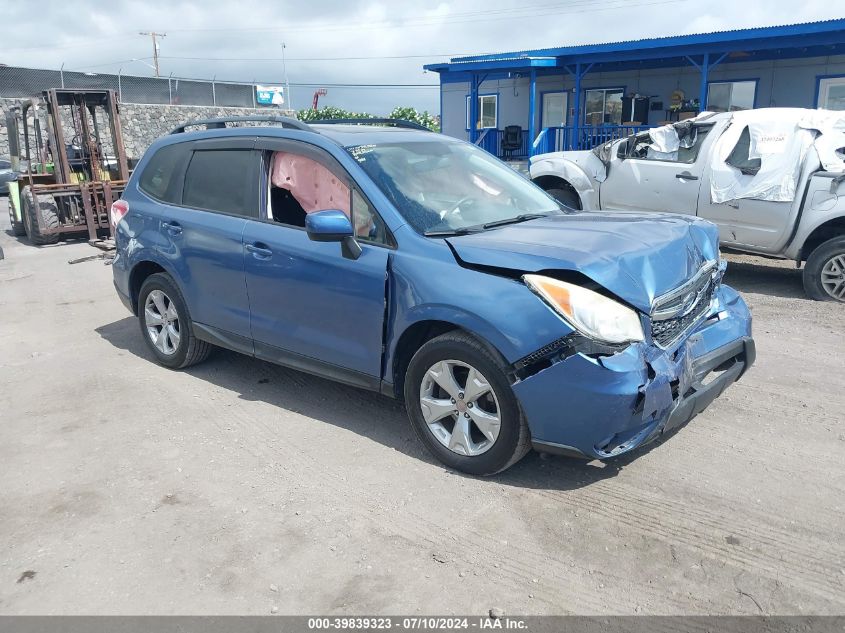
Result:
pixel 239 487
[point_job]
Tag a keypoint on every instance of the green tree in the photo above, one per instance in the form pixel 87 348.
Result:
pixel 408 113
pixel 330 112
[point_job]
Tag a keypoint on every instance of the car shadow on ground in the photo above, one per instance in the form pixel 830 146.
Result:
pixel 366 413
pixel 759 278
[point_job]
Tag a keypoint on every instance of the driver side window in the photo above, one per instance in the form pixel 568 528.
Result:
pixel 689 145
pixel 299 184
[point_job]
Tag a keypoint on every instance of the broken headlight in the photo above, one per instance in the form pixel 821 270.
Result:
pixel 588 312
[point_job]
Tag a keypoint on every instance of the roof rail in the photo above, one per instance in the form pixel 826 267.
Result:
pixel 367 121
pixel 215 124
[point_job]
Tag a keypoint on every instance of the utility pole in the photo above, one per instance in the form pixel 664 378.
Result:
pixel 154 35
pixel 287 83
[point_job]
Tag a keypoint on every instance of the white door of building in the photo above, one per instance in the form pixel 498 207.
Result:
pixel 832 93
pixel 555 105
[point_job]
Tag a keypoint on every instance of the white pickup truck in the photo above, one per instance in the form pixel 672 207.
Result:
pixel 772 179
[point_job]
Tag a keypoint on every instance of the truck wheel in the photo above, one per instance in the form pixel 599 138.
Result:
pixel 462 407
pixel 566 196
pixel 166 325
pixel 824 272
pixel 49 216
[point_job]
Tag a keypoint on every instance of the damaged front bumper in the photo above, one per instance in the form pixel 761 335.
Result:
pixel 600 405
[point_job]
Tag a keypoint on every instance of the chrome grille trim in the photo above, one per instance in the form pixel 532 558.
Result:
pixel 671 304
pixel 678 311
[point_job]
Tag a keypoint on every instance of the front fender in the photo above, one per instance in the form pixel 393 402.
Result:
pixel 579 179
pixel 500 310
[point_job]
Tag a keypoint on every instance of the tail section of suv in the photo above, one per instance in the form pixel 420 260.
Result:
pixel 405 262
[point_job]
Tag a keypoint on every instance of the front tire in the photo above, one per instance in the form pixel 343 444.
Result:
pixel 566 196
pixel 166 325
pixel 462 407
pixel 824 272
pixel 49 213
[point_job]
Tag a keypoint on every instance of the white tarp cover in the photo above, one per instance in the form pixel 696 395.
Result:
pixel 664 142
pixel 780 138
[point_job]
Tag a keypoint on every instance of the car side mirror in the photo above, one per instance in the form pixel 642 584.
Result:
pixel 332 225
pixel 622 150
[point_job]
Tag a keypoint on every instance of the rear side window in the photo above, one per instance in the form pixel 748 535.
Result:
pixel 161 176
pixel 225 180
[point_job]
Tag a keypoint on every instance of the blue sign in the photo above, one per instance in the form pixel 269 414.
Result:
pixel 270 95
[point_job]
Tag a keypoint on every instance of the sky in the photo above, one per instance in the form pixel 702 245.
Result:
pixel 350 41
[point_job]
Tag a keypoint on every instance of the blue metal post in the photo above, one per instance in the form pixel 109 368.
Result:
pixel 576 123
pixel 531 115
pixel 702 93
pixel 473 108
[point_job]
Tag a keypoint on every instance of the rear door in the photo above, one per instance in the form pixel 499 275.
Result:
pixel 310 307
pixel 203 235
pixel 639 180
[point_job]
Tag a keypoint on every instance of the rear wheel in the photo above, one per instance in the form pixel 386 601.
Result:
pixel 462 407
pixel 824 272
pixel 566 196
pixel 30 212
pixel 166 325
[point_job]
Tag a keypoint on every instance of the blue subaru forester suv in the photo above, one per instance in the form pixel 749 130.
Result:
pixel 406 262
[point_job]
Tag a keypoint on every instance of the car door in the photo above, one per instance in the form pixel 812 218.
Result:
pixel 204 234
pixel 311 307
pixel 640 180
pixel 760 225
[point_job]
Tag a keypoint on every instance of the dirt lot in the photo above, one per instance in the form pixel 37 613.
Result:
pixel 239 487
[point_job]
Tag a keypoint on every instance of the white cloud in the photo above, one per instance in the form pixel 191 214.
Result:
pixel 87 37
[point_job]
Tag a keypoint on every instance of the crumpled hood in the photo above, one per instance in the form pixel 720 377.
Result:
pixel 635 256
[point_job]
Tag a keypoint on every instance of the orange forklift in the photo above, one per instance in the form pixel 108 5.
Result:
pixel 71 165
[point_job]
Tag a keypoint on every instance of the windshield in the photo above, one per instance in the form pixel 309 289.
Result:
pixel 443 187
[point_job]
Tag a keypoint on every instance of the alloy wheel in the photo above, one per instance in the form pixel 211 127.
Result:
pixel 833 277
pixel 460 407
pixel 162 321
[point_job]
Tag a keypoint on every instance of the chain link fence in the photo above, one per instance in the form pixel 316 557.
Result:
pixel 21 83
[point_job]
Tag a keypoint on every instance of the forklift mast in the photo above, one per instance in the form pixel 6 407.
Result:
pixel 72 164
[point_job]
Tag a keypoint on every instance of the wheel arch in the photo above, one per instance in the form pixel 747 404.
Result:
pixel 418 333
pixel 549 181
pixel 139 273
pixel 825 231
pixel 557 169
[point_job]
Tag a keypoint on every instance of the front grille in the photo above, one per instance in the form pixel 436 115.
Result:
pixel 675 313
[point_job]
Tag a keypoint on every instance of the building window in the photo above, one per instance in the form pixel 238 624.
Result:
pixel 554 109
pixel 487 107
pixel 603 106
pixel 832 93
pixel 729 96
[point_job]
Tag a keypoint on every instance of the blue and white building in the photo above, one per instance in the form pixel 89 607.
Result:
pixel 574 97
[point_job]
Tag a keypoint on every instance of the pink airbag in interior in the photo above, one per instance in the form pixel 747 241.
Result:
pixel 313 186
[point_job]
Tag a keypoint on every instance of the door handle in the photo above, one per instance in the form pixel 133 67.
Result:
pixel 685 175
pixel 259 250
pixel 174 228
